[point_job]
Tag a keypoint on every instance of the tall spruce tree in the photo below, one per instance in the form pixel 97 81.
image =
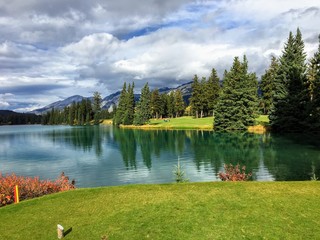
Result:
pixel 119 114
pixel 314 89
pixel 291 101
pixel 178 103
pixel 212 90
pixel 130 106
pixel 195 96
pixel 267 85
pixel 237 105
pixel 155 103
pixel 97 100
pixel 170 105
pixel 203 99
pixel 143 110
pixel 164 106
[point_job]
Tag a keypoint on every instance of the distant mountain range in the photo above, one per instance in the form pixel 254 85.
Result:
pixel 111 99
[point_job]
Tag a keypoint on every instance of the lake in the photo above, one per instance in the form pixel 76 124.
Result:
pixel 104 156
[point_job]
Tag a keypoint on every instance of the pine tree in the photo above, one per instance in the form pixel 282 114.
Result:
pixel 314 89
pixel 170 105
pixel 195 96
pixel 164 106
pixel 178 103
pixel 155 103
pixel 291 101
pixel 72 112
pixel 236 108
pixel 89 111
pixel 96 106
pixel 143 111
pixel 203 98
pixel 213 90
pixel 267 85
pixel 119 114
pixel 130 106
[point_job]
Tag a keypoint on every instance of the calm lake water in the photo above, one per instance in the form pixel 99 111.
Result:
pixel 103 155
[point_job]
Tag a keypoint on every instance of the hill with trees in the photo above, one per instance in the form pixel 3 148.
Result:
pixel 8 117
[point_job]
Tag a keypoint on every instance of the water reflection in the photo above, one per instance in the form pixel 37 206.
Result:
pixel 82 138
pixel 281 158
pixel 97 156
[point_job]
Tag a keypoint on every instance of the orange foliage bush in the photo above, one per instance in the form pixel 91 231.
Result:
pixel 31 187
pixel 234 173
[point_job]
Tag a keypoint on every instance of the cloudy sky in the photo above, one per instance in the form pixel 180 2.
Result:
pixel 50 50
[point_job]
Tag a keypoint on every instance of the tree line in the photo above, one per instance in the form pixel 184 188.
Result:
pixel 86 112
pixel 289 92
pixel 13 118
pixel 151 104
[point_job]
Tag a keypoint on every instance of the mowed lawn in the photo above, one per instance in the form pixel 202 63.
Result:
pixel 215 210
pixel 182 123
pixel 186 122
pixel 177 123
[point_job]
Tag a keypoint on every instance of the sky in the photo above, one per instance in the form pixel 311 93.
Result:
pixel 51 50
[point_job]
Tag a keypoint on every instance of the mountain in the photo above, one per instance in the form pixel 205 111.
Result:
pixel 186 91
pixel 112 99
pixel 59 104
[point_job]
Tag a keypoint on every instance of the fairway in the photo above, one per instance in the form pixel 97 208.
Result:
pixel 247 210
pixel 176 123
pixel 186 122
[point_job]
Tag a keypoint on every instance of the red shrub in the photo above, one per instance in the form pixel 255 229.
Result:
pixel 234 173
pixel 31 187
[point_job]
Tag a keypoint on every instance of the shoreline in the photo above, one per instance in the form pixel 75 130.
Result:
pixel 157 124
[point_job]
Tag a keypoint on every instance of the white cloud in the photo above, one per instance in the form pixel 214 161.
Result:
pixel 53 49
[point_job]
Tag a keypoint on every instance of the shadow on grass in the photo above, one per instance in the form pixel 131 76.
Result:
pixel 67 232
pixel 154 124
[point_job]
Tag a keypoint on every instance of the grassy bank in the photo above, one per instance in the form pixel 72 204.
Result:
pixel 185 123
pixel 220 210
pixel 178 123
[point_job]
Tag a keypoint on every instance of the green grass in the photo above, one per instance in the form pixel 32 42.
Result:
pixel 263 119
pixel 185 123
pixel 247 210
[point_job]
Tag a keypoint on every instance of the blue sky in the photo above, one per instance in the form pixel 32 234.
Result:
pixel 50 50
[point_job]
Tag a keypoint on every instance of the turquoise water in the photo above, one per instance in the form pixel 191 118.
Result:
pixel 104 156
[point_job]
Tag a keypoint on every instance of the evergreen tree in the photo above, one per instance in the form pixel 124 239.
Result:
pixel 267 85
pixel 178 103
pixel 236 108
pixel 170 105
pixel 212 90
pixel 130 105
pixel 88 111
pixel 203 98
pixel 72 112
pixel 291 101
pixel 143 111
pixel 155 103
pixel 195 96
pixel 97 101
pixel 119 114
pixel 314 89
pixel 164 105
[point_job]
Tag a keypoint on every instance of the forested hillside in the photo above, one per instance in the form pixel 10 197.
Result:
pixel 13 118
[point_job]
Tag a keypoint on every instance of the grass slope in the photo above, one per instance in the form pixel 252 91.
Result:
pixel 248 210
pixel 178 123
pixel 184 123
